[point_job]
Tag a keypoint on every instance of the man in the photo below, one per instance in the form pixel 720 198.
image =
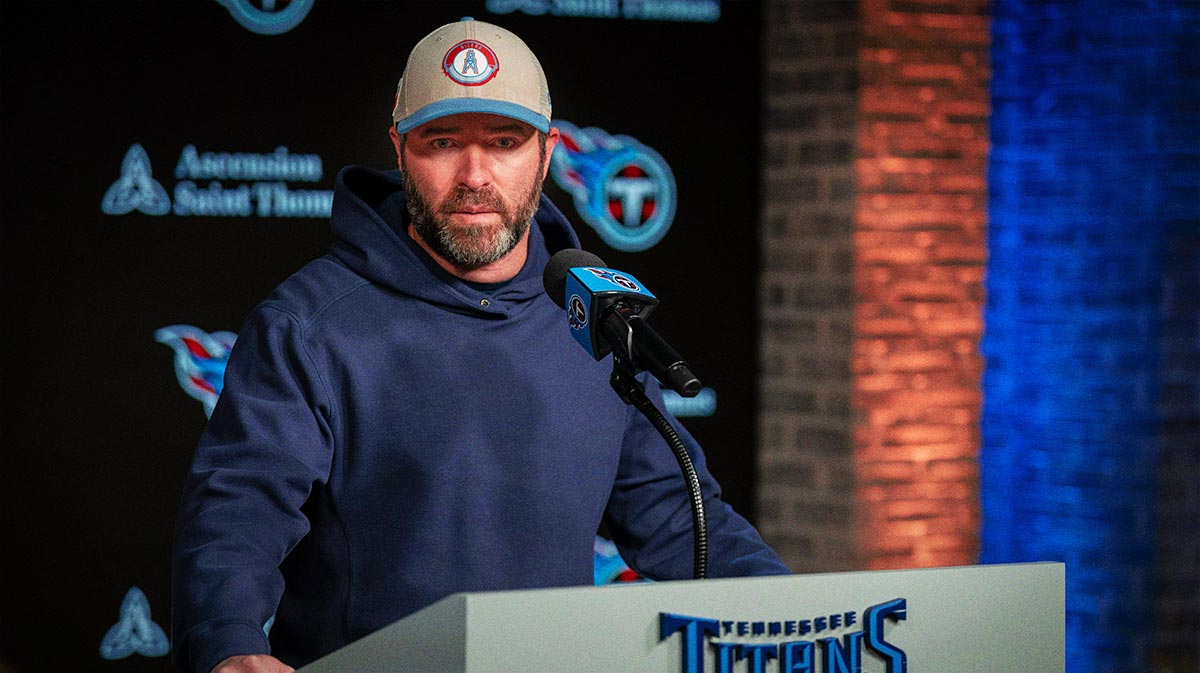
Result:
pixel 408 417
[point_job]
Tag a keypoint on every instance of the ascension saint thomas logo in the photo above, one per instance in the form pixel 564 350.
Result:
pixel 134 632
pixel 136 189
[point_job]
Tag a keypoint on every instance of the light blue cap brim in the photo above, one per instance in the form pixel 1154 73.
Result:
pixel 451 106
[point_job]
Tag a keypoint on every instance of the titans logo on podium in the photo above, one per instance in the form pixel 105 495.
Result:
pixel 797 646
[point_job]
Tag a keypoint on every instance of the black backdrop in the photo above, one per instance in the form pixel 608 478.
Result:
pixel 97 433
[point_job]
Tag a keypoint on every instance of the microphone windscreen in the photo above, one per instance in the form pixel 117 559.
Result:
pixel 554 276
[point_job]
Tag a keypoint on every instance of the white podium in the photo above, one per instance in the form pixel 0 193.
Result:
pixel 970 619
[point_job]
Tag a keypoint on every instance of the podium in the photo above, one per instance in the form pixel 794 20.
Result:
pixel 976 619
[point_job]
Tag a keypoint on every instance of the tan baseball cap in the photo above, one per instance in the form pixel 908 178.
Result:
pixel 471 66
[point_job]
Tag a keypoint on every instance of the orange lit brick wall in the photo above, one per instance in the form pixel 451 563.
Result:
pixel 873 237
pixel 919 245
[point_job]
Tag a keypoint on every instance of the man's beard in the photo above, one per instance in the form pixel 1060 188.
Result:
pixel 471 246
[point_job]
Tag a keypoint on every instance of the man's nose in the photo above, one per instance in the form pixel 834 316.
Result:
pixel 474 171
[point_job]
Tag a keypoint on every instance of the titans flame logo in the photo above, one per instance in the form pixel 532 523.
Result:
pixel 200 360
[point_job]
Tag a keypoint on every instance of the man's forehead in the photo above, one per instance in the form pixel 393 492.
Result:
pixel 472 122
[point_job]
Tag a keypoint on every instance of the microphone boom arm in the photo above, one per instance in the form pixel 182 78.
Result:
pixel 619 327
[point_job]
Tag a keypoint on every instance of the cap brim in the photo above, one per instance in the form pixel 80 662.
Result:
pixel 452 106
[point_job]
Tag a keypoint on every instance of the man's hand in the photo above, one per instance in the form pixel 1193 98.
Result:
pixel 252 663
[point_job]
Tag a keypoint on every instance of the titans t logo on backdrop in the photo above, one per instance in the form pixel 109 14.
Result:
pixel 622 189
pixel 268 17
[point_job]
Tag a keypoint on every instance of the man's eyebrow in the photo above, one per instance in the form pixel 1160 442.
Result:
pixel 507 128
pixel 429 131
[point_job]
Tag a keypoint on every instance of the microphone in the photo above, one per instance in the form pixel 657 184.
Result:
pixel 606 311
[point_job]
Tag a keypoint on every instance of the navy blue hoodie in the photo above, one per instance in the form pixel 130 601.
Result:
pixel 389 435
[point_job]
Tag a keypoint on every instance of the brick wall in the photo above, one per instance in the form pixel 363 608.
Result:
pixel 873 240
pixel 1092 390
pixel 806 475
pixel 919 253
pixel 1176 645
pixel 1177 613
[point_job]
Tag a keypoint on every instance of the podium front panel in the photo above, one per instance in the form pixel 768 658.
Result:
pixel 982 619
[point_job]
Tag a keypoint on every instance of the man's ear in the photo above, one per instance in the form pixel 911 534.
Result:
pixel 395 136
pixel 552 138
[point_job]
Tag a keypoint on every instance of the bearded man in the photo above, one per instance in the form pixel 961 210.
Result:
pixel 407 417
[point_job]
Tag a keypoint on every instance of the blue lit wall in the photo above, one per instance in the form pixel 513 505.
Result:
pixel 1093 167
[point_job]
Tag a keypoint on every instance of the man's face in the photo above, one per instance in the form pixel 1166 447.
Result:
pixel 472 183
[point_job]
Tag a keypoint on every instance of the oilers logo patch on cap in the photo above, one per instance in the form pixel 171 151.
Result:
pixel 470 63
pixel 457 69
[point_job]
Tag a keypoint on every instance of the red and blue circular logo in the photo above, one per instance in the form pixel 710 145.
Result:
pixel 470 63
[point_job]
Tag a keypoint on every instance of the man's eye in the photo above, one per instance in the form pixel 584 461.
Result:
pixel 506 143
pixel 441 143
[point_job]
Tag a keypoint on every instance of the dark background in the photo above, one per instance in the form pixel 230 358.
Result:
pixel 97 435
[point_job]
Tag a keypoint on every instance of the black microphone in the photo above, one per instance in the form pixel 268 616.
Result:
pixel 606 311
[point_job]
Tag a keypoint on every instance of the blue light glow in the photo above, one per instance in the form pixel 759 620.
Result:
pixel 1084 124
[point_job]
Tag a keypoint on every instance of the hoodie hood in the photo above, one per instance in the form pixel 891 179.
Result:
pixel 370 221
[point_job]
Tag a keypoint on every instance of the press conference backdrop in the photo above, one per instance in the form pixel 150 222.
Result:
pixel 168 162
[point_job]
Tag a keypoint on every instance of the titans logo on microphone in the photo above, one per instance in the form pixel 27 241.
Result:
pixel 615 278
pixel 622 189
